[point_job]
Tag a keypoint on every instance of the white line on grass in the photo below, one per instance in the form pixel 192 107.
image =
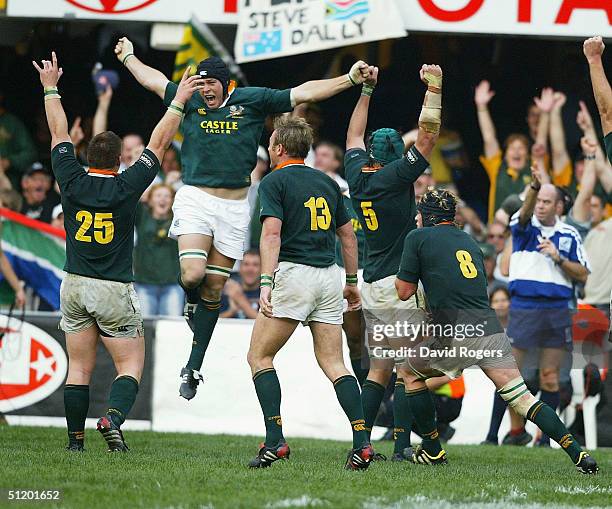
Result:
pixel 303 501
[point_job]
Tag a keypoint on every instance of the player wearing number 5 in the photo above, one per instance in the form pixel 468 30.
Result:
pixel 381 182
pixel 97 296
pixel 302 211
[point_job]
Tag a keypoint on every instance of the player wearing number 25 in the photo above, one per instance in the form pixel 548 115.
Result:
pixel 97 297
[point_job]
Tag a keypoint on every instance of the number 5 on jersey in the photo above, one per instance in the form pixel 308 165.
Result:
pixel 369 215
pixel 104 229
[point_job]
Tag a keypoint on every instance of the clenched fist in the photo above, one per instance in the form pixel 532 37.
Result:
pixel 593 49
pixel 360 71
pixel 123 48
pixel 431 75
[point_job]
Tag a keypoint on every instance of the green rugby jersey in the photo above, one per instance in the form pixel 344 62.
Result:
pixel 384 201
pixel 310 205
pixel 99 211
pixel 451 266
pixel 220 146
pixel 608 144
pixel 358 233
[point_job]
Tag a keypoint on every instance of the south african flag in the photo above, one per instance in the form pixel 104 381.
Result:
pixel 341 10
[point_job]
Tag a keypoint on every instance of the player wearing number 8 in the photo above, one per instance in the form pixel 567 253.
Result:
pixel 97 297
pixel 450 265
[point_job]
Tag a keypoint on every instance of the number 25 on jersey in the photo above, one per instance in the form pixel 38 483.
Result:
pixel 104 228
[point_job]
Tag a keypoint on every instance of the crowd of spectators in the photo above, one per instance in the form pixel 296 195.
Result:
pixel 583 178
pixel 577 180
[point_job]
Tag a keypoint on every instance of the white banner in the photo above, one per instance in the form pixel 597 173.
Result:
pixel 227 403
pixel 574 18
pixel 170 11
pixel 272 28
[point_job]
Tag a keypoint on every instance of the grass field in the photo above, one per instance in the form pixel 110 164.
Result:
pixel 189 470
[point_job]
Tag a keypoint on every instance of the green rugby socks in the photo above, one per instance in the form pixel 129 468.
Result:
pixel 424 412
pixel 76 405
pixel 548 421
pixel 361 373
pixel 122 396
pixel 372 394
pixel 402 418
pixel 268 392
pixel 347 391
pixel 552 400
pixel 204 321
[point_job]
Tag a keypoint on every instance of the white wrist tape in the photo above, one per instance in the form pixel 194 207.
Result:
pixel 430 119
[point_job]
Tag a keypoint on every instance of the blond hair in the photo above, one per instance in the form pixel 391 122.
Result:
pixel 294 134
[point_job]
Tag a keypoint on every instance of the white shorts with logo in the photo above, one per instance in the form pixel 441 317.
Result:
pixel 226 221
pixel 388 318
pixel 307 294
pixel 111 305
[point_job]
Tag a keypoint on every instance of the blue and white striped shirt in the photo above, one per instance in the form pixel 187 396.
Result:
pixel 535 279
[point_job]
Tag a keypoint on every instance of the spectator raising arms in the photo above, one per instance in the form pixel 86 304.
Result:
pixel 507 173
pixel 156 256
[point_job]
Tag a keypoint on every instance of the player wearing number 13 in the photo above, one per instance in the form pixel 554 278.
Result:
pixel 302 211
pixel 97 297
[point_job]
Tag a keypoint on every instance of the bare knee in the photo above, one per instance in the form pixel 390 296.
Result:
pixel 78 374
pixel 380 375
pixel 213 286
pixel 549 379
pixel 333 368
pixel 258 361
pixel 192 274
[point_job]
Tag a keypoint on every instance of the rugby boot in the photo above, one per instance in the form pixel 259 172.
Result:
pixel 112 434
pixel 359 459
pixel 586 464
pixel 405 455
pixel 268 455
pixel 420 456
pixel 521 439
pixel 190 378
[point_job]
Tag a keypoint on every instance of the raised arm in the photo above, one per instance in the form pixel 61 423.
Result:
pixel 545 104
pixel 148 77
pixel 482 96
pixel 593 50
pixel 604 173
pixel 359 119
pixel 582 206
pixel 100 120
pixel 560 156
pixel 49 75
pixel 586 125
pixel 531 197
pixel 319 90
pixel 167 127
pixel 430 118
